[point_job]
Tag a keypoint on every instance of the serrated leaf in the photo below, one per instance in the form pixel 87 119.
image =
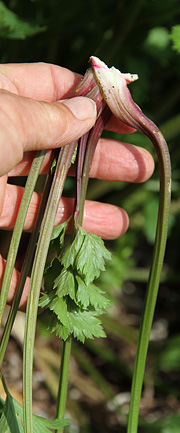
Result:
pixel 91 257
pixel 81 323
pixel 46 299
pixel 59 232
pixel 87 254
pixel 60 330
pixel 82 292
pixel 65 284
pixel 96 297
pixel 85 325
pixel 13 27
pixel 42 425
pixel 59 307
pixel 77 301
pixel 90 294
pixel 70 253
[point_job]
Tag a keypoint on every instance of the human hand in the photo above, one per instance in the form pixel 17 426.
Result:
pixel 28 124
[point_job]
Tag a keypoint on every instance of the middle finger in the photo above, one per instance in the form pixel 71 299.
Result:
pixel 113 161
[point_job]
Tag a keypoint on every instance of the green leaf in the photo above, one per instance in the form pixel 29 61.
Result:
pixel 84 324
pixel 13 27
pixel 82 292
pixel 81 323
pixel 70 253
pixel 87 254
pixel 10 422
pixel 90 295
pixel 60 330
pixel 11 419
pixel 59 306
pixel 46 299
pixel 59 232
pixel 65 284
pixel 75 300
pixel 42 425
pixel 175 36
pixel 91 257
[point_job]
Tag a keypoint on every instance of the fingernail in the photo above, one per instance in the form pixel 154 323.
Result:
pixel 81 107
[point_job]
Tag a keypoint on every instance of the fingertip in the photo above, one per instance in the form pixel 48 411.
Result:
pixel 13 285
pixel 146 165
pixel 105 220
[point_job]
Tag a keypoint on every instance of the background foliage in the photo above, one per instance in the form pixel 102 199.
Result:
pixel 140 37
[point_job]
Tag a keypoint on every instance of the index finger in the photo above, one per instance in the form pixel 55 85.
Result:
pixel 40 81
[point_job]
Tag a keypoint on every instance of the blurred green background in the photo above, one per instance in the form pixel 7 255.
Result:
pixel 138 36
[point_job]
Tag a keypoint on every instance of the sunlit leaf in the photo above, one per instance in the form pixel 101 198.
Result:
pixel 81 323
pixel 58 235
pixel 65 284
pixel 91 257
pixel 85 325
pixel 70 253
pixel 90 294
pixel 59 306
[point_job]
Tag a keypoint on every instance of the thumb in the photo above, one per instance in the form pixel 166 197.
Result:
pixel 27 124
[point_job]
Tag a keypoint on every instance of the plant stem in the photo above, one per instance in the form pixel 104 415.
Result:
pixel 86 151
pixel 149 129
pixel 88 157
pixel 63 379
pixel 25 270
pixel 80 163
pixel 36 278
pixel 18 228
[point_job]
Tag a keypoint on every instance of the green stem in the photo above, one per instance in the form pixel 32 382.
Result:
pixel 85 156
pixel 155 272
pixel 24 271
pixel 18 228
pixel 63 379
pixel 36 278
